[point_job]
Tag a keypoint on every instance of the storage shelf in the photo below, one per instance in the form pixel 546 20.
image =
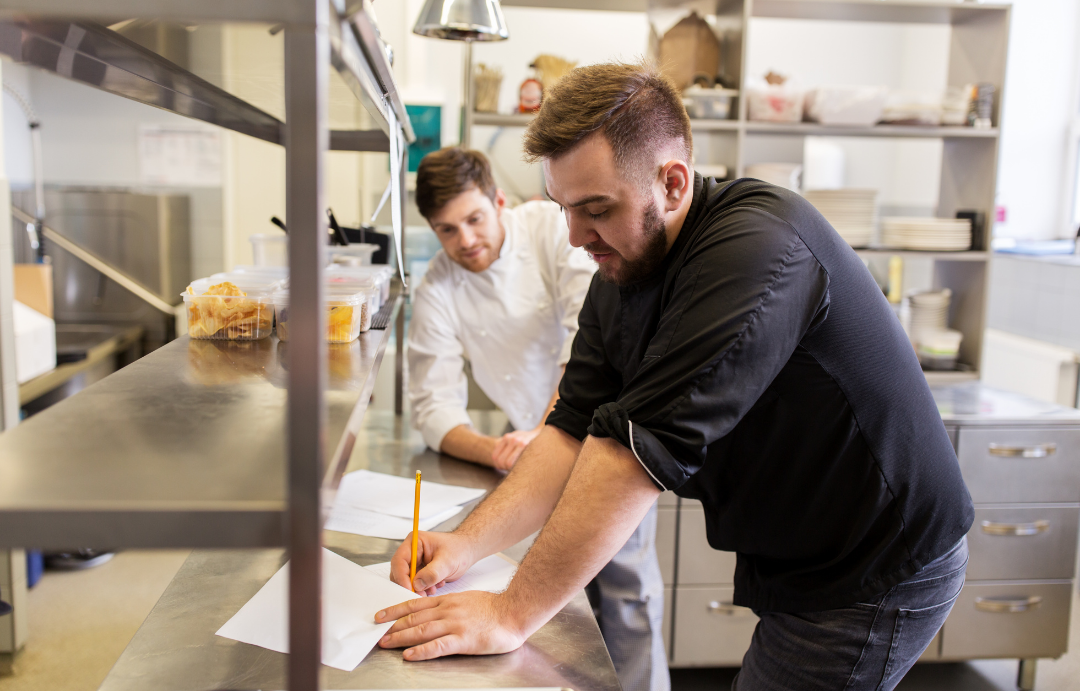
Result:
pixel 183 448
pixel 106 60
pixel 714 125
pixel 949 378
pixel 965 256
pixel 903 11
pixel 503 119
pixel 808 128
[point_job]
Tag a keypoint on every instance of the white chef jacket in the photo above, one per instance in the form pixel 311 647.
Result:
pixel 514 322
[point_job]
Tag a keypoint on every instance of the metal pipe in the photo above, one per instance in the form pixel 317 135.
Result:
pixel 466 98
pixel 85 255
pixel 307 136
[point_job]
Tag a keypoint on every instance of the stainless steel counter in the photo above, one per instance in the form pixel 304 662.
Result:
pixel 176 648
pixel 183 448
pixel 976 405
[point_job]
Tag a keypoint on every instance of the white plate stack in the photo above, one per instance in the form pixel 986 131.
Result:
pixel 932 234
pixel 927 312
pixel 852 212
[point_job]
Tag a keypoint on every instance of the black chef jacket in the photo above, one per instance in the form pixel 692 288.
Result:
pixel 761 370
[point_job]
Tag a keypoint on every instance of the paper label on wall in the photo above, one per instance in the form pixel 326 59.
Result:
pixel 175 156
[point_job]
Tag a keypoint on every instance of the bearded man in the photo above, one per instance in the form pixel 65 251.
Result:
pixel 734 349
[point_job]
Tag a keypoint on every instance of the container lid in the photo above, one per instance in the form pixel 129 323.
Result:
pixel 201 286
pixel 252 285
pixel 335 297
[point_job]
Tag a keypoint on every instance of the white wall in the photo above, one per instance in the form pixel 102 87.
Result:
pixel 1041 86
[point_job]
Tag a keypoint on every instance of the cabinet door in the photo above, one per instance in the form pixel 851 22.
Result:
pixel 1008 620
pixel 709 630
pixel 1018 465
pixel 666 536
pixel 700 564
pixel 1023 543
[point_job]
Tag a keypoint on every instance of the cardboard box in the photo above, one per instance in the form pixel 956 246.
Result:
pixel 35 343
pixel 34 287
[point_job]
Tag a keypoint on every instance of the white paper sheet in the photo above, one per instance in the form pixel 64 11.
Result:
pixel 349 519
pixel 351 597
pixel 393 495
pixel 492 574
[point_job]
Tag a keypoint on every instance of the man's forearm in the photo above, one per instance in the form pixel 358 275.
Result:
pixel 523 501
pixel 469 445
pixel 606 497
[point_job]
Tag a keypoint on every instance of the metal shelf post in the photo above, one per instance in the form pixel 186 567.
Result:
pixel 307 64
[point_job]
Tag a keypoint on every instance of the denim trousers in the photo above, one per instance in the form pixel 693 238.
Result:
pixel 868 646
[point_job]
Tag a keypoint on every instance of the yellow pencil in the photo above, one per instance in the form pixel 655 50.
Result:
pixel 415 533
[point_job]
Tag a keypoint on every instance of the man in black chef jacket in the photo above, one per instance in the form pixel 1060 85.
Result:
pixel 733 349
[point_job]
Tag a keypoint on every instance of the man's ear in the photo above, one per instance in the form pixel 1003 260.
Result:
pixel 678 182
pixel 500 200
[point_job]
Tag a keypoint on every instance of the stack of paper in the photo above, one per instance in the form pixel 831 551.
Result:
pixel 491 574
pixel 379 505
pixel 351 597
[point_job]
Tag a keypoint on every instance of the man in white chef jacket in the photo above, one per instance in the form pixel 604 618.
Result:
pixel 504 295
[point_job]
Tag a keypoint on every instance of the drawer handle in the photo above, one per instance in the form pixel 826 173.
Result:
pixel 1018 529
pixel 1033 451
pixel 725 608
pixel 987 604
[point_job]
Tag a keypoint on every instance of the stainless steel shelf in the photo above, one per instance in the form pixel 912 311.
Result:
pixel 176 647
pixel 94 55
pixel 808 128
pixel 183 448
pixel 904 11
pixel 968 256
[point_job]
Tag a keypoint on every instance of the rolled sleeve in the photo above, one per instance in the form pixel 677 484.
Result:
pixel 742 303
pixel 439 422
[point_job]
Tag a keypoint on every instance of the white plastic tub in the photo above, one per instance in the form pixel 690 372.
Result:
pixel 269 250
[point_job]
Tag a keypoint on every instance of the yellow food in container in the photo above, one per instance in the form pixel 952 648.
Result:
pixel 224 312
pixel 349 315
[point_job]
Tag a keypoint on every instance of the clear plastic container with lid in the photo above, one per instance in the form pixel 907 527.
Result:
pixel 377 276
pixel 224 311
pixel 350 313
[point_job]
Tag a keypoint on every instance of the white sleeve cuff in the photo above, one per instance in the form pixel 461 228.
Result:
pixel 439 422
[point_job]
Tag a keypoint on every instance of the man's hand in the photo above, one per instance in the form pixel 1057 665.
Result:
pixel 509 447
pixel 470 623
pixel 440 557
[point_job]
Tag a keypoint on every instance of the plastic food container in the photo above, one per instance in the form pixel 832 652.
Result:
pixel 357 254
pixel 349 314
pixel 714 104
pixel 269 250
pixel 377 277
pixel 774 103
pixel 856 106
pixel 228 317
pixel 938 348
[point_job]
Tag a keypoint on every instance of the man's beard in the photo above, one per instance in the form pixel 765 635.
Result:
pixel 631 271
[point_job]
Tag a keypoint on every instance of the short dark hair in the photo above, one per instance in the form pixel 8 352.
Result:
pixel 446 173
pixel 638 109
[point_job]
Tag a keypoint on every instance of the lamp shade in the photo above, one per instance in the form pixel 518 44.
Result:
pixel 462 20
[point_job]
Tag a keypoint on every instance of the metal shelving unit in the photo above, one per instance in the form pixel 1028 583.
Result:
pixel 170 451
pixel 977 53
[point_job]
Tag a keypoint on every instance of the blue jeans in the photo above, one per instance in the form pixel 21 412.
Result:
pixel 868 646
